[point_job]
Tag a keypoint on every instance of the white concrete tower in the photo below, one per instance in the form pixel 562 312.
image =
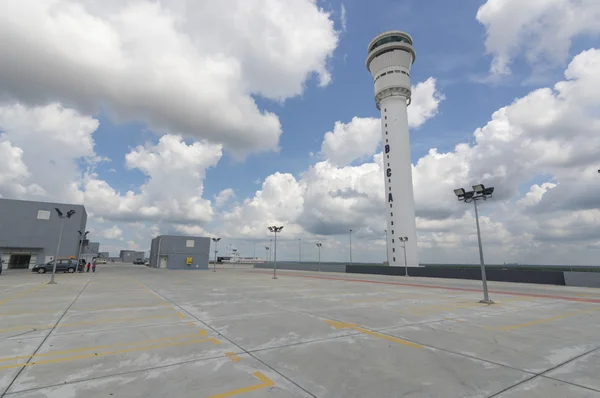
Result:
pixel 391 55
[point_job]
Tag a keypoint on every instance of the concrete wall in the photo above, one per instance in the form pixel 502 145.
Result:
pixel 23 228
pixel 176 250
pixel 583 279
pixel 305 266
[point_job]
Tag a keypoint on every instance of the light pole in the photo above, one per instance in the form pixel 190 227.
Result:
pixel 387 253
pixel 267 256
pixel 270 245
pixel 350 247
pixel 479 192
pixel 275 230
pixel 404 239
pixel 62 223
pixel 216 240
pixel 319 245
pixel 299 250
pixel 82 236
pixel 254 255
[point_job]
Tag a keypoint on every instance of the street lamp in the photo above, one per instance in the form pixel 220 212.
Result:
pixel 387 253
pixel 270 245
pixel 319 245
pixel 62 223
pixel 267 256
pixel 479 192
pixel 404 239
pixel 350 247
pixel 82 236
pixel 275 230
pixel 299 250
pixel 254 255
pixel 216 240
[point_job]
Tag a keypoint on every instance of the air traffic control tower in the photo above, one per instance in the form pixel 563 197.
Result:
pixel 391 55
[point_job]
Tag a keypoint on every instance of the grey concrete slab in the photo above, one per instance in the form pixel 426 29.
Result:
pixel 413 336
pixel 69 358
pixel 365 366
pixel 582 371
pixel 188 380
pixel 10 353
pixel 541 387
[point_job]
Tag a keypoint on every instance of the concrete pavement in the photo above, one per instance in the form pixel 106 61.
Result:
pixel 129 331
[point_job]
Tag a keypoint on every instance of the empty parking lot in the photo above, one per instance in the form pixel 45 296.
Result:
pixel 129 331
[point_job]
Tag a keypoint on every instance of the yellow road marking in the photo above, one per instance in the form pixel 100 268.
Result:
pixel 217 342
pixel 100 347
pixel 545 320
pixel 233 357
pixel 344 325
pixel 18 295
pixel 202 332
pixel 102 354
pixel 102 321
pixel 179 314
pixel 265 382
pixel 191 324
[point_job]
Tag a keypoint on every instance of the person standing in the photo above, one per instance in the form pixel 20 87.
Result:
pixel 94 265
pixel 88 267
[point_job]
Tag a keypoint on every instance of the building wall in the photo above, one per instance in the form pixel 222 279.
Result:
pixel 33 227
pixel 176 249
pixel 104 254
pixel 129 256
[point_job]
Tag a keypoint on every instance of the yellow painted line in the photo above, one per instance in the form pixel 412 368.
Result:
pixel 103 354
pixel 202 332
pixel 191 324
pixel 18 295
pixel 179 314
pixel 265 382
pixel 546 320
pixel 102 321
pixel 344 325
pixel 100 347
pixel 233 357
pixel 217 342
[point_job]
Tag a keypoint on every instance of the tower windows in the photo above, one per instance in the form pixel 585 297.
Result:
pixel 390 205
pixel 389 180
pixel 392 232
pixel 394 249
pixel 385 117
pixel 392 214
pixel 394 259
pixel 392 221
pixel 386 125
pixel 392 240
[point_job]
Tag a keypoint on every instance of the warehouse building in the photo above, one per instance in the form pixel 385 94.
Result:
pixel 29 232
pixel 179 252
pixel 129 256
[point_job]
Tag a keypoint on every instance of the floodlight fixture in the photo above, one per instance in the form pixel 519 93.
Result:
pixel 275 229
pixel 459 192
pixel 62 224
pixel 216 240
pixel 60 213
pixel 478 188
pixel 70 213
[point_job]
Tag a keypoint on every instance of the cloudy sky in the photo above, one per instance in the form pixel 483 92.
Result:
pixel 221 117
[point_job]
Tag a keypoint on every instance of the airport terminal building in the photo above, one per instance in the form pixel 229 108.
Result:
pixel 29 232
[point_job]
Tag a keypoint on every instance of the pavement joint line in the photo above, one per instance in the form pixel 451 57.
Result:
pixel 541 374
pixel 103 354
pixel 265 382
pixel 426 286
pixel 99 322
pixel 233 356
pixel 47 336
pixel 237 345
pixel 569 382
pixel 100 347
pixel 97 331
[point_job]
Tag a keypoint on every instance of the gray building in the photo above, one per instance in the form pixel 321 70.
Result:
pixel 29 232
pixel 104 254
pixel 89 250
pixel 129 256
pixel 180 252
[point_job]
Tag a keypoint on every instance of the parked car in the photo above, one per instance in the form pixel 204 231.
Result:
pixel 100 261
pixel 139 261
pixel 62 265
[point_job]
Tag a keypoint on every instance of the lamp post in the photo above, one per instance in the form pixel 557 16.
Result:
pixel 62 223
pixel 275 230
pixel 254 255
pixel 216 240
pixel 404 239
pixel 270 245
pixel 267 256
pixel 82 236
pixel 299 250
pixel 319 245
pixel 350 247
pixel 479 192
pixel 387 253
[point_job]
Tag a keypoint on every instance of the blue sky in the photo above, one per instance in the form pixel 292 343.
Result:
pixel 164 83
